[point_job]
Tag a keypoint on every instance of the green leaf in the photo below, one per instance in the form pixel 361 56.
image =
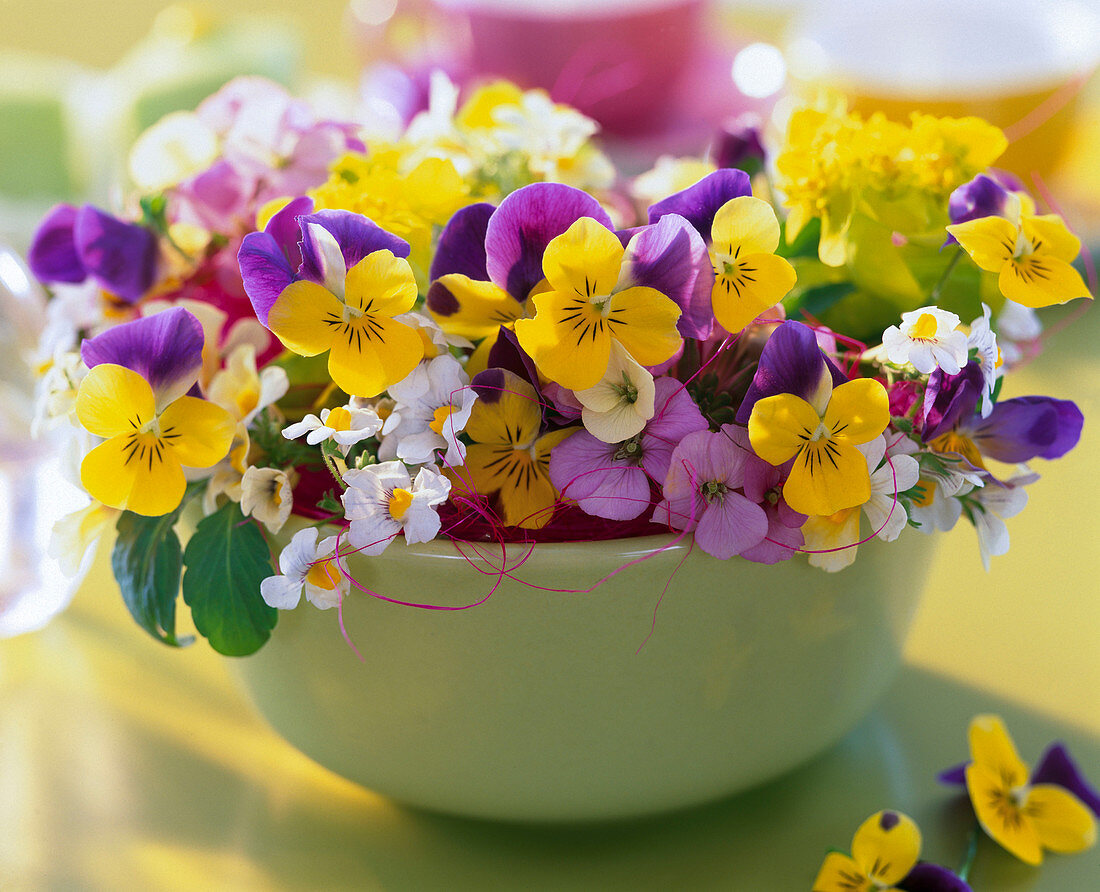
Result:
pixel 804 244
pixel 146 561
pixel 227 559
pixel 816 301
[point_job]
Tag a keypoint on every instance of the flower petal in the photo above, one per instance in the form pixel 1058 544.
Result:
pixel 759 283
pixel 730 526
pixel 821 483
pixel 1062 821
pixel 507 410
pixel 672 258
pixel 886 846
pixel 780 425
pixel 355 234
pixel 114 400
pixel 644 322
pixel 461 247
pixel 586 258
pixel 165 349
pixel 999 817
pixel 1027 427
pixel 1040 280
pixel 1048 233
pixel 524 224
pixel 265 271
pixel 927 877
pixel 990 241
pixel 839 873
pixel 120 256
pixel 52 255
pixel 374 352
pixel 747 223
pixel 133 476
pixel 306 318
pixel 197 431
pixel 791 362
pixel 567 340
pixel 381 283
pixel 469 307
pixel 1057 767
pixel 858 411
pixel 992 749
pixel 698 204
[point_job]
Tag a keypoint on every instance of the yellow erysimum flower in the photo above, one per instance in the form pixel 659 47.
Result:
pixel 829 473
pixel 140 466
pixel 885 848
pixel 1024 818
pixel 368 349
pixel 584 311
pixel 748 277
pixel 477 111
pixel 1032 257
pixel 508 456
pixel 408 203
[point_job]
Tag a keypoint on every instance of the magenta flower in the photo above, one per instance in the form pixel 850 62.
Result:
pixel 612 480
pixel 700 495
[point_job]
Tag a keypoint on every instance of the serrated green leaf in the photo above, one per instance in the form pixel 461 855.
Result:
pixel 146 561
pixel 227 559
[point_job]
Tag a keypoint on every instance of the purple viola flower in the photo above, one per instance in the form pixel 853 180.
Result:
pixel 165 349
pixel 987 195
pixel 612 480
pixel 791 362
pixel 505 246
pixel 764 485
pixel 701 495
pixel 927 877
pixel 699 203
pixel 738 145
pixel 1056 766
pixel 72 245
pixel 950 398
pixel 288 250
pixel 1017 430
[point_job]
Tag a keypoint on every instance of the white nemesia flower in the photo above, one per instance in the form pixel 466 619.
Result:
pixel 939 507
pixel 884 513
pixel 346 425
pixel 266 494
pixel 55 393
pixel 175 148
pixel 243 391
pixel 436 340
pixel 983 339
pixel 308 565
pixel 75 533
pixel 382 500
pixel 618 406
pixel 433 405
pixel 1016 325
pixel 928 338
pixel 992 505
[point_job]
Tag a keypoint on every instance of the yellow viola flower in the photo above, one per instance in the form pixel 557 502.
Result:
pixel 575 322
pixel 885 849
pixel 509 455
pixel 748 277
pixel 829 473
pixel 1031 257
pixel 140 466
pixel 1023 817
pixel 352 318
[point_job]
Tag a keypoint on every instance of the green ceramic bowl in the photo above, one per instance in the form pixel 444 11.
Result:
pixel 545 706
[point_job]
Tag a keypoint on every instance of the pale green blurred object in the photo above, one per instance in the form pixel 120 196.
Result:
pixel 552 706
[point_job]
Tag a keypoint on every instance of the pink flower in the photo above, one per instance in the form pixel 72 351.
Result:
pixel 612 480
pixel 700 494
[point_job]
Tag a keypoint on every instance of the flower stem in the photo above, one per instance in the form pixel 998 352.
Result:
pixel 971 852
pixel 939 286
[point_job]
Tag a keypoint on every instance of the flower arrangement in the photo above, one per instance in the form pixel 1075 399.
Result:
pixel 479 330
